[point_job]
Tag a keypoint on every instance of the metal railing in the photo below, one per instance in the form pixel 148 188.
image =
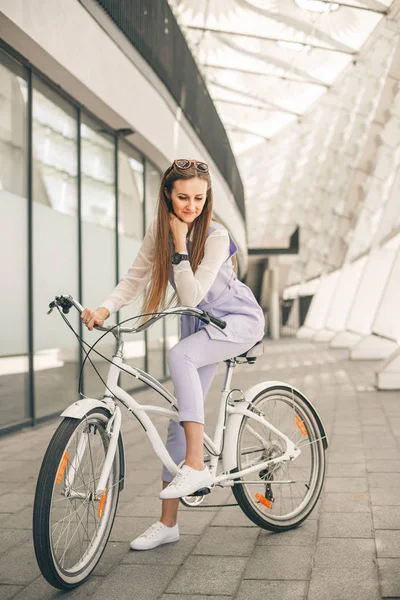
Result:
pixel 151 27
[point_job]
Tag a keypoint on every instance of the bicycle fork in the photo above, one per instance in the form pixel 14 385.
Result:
pixel 112 431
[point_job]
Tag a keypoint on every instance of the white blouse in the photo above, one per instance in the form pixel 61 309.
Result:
pixel 191 287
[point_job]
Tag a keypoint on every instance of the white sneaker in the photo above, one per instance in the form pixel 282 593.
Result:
pixel 187 481
pixel 155 535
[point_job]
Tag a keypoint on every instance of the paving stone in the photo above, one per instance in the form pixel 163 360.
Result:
pixel 192 597
pixel 383 466
pixel 384 480
pixel 227 541
pixel 340 553
pixel 345 525
pixel 19 566
pixel 209 575
pixel 152 489
pixel 144 477
pixel 344 584
pixel 19 520
pixel 103 569
pixel 381 443
pixel 9 591
pixel 385 497
pixel 346 470
pixel 381 454
pixel 343 484
pixel 42 590
pixel 386 517
pixel 280 562
pixel 11 503
pixel 7 464
pixel 12 538
pixel 341 502
pixel 232 516
pixel 271 590
pixel 303 535
pixel 131 490
pixel 356 456
pixel 127 528
pixel 174 553
pixel 115 552
pixel 141 582
pixel 387 543
pixel 389 577
pixel 140 506
pixel 195 522
pixel 30 470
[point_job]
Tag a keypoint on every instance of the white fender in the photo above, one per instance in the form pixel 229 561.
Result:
pixel 229 457
pixel 80 408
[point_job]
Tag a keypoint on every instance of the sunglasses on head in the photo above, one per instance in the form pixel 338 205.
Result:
pixel 184 163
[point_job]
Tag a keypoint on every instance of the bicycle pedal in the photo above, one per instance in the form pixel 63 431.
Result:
pixel 201 492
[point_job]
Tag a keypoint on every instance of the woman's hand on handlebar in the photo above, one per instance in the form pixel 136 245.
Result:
pixel 90 317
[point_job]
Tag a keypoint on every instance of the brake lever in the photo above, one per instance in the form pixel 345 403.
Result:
pixel 51 305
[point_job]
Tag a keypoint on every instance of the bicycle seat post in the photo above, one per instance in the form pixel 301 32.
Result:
pixel 220 424
pixel 230 365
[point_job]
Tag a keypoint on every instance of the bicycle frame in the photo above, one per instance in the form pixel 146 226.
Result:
pixel 141 413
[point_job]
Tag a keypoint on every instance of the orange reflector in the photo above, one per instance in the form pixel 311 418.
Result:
pixel 62 467
pixel 102 503
pixel 264 500
pixel 301 425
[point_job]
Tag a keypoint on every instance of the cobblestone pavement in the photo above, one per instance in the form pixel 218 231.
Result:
pixel 349 548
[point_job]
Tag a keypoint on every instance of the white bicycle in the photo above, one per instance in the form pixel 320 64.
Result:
pixel 269 447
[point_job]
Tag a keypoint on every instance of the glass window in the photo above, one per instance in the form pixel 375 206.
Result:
pixel 55 248
pixel 98 241
pixel 130 230
pixel 14 405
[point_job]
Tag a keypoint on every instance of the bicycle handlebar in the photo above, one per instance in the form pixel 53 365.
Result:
pixel 66 301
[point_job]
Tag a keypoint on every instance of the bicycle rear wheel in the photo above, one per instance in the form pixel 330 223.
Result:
pixel 70 526
pixel 283 495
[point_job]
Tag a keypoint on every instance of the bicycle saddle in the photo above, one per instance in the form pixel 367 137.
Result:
pixel 253 352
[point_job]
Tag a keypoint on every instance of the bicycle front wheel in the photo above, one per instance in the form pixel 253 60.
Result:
pixel 70 525
pixel 283 495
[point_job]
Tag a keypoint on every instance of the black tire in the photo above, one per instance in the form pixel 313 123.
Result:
pixel 309 483
pixel 44 529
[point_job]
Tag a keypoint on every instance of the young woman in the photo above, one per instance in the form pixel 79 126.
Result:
pixel 186 247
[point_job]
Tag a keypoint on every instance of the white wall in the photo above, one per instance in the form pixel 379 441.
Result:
pixel 344 295
pixel 371 288
pixel 320 305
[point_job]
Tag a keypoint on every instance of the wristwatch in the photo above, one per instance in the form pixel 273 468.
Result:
pixel 178 256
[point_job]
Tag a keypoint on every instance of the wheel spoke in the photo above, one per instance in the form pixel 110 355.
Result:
pixel 75 533
pixel 257 443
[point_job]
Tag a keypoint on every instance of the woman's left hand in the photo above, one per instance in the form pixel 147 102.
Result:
pixel 178 229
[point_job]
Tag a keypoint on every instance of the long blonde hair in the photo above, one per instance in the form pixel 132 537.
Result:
pixel 155 296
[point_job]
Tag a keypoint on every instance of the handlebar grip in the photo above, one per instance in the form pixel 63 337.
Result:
pixel 220 322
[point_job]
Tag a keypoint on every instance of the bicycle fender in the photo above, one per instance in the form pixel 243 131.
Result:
pixel 80 408
pixel 229 459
